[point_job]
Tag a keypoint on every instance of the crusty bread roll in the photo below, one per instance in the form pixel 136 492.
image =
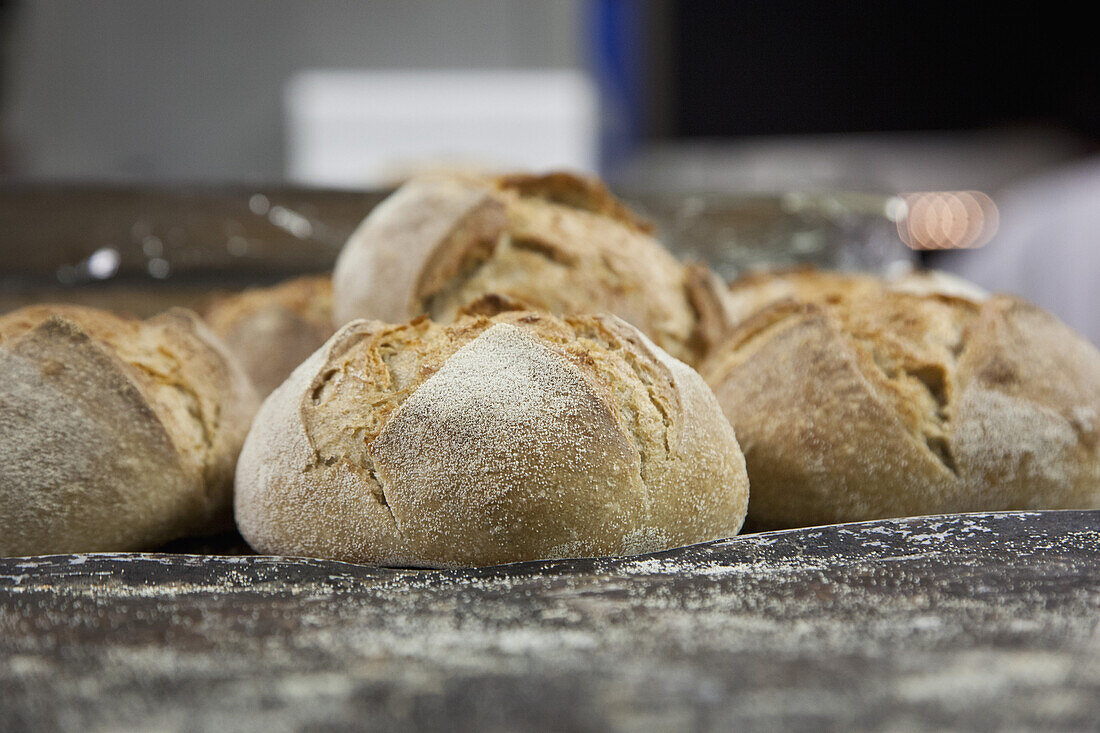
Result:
pixel 115 434
pixel 272 330
pixel 491 440
pixel 876 403
pixel 557 243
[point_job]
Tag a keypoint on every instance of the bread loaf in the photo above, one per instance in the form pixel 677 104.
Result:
pixel 873 403
pixel 557 243
pixel 115 434
pixel 491 440
pixel 272 330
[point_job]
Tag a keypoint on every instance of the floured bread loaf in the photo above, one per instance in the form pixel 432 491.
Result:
pixel 491 440
pixel 115 434
pixel 557 243
pixel 876 404
pixel 272 330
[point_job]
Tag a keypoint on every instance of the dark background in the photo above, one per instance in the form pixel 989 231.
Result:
pixel 757 68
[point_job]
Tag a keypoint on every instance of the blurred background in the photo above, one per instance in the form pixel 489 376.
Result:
pixel 936 127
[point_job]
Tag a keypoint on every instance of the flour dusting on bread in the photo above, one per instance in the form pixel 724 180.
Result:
pixel 489 440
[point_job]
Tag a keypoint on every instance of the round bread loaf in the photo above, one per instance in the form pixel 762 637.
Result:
pixel 115 434
pixel 877 404
pixel 557 243
pixel 492 440
pixel 272 330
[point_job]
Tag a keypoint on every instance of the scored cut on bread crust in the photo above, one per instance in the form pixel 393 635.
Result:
pixel 493 440
pixel 557 242
pixel 877 404
pixel 117 434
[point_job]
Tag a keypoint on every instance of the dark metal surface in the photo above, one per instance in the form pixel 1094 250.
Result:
pixel 975 622
pixel 170 246
pixel 202 232
pixel 250 235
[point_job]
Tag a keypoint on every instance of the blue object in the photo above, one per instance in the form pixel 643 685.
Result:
pixel 616 54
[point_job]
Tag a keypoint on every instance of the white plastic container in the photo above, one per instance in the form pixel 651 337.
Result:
pixel 354 129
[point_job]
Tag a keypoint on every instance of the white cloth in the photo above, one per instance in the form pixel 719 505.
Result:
pixel 1048 246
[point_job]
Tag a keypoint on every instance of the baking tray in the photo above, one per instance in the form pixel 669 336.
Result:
pixel 981 621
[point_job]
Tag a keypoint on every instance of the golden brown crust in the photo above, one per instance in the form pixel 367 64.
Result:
pixel 193 372
pixel 714 314
pixel 491 440
pixel 756 290
pixel 143 421
pixel 821 443
pixel 882 404
pixel 392 255
pixel 309 297
pixel 556 243
pixel 1028 409
pixel 578 192
pixel 272 330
